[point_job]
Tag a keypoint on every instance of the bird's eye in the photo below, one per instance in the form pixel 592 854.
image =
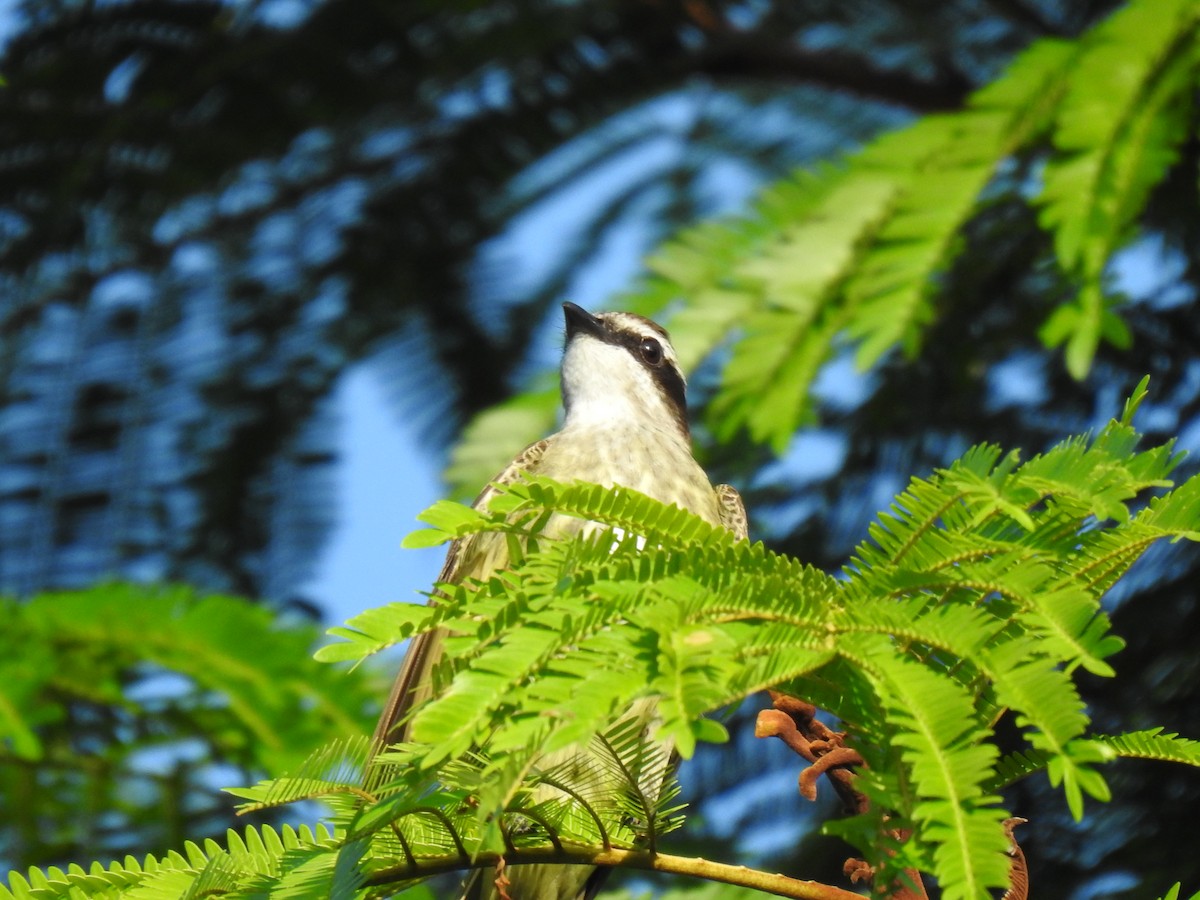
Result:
pixel 652 352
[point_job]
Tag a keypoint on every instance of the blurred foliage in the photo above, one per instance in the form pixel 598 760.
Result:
pixel 208 210
pixel 124 709
pixel 248 202
pixel 850 258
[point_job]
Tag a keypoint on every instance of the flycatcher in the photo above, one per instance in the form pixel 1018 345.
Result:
pixel 625 424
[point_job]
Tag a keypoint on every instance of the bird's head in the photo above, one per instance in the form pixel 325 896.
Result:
pixel 620 367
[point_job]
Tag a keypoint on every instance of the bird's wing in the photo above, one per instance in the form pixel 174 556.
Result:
pixel 732 511
pixel 412 682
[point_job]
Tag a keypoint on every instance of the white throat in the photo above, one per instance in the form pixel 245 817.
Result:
pixel 607 388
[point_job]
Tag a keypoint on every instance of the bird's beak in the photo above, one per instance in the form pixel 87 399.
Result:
pixel 580 321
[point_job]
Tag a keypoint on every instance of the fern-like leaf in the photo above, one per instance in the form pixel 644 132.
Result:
pixel 231 870
pixel 1118 130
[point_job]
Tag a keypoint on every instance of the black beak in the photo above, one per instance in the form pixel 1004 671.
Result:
pixel 580 321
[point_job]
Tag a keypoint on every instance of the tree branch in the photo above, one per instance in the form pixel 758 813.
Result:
pixel 835 70
pixel 570 854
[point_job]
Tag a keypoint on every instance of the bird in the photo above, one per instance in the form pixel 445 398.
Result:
pixel 625 423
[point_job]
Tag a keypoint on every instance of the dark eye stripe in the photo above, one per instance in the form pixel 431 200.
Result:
pixel 673 388
pixel 666 374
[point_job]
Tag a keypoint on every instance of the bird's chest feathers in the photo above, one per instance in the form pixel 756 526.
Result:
pixel 654 461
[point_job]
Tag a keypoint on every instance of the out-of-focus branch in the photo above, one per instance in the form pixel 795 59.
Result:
pixel 833 69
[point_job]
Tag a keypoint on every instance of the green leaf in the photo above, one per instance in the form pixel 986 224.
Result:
pixel 375 630
pixel 1119 128
pixel 449 520
pixel 1173 894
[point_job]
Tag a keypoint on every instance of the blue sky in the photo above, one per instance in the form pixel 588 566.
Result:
pixel 384 478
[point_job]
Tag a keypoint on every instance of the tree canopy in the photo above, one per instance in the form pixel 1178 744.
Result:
pixel 1000 268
